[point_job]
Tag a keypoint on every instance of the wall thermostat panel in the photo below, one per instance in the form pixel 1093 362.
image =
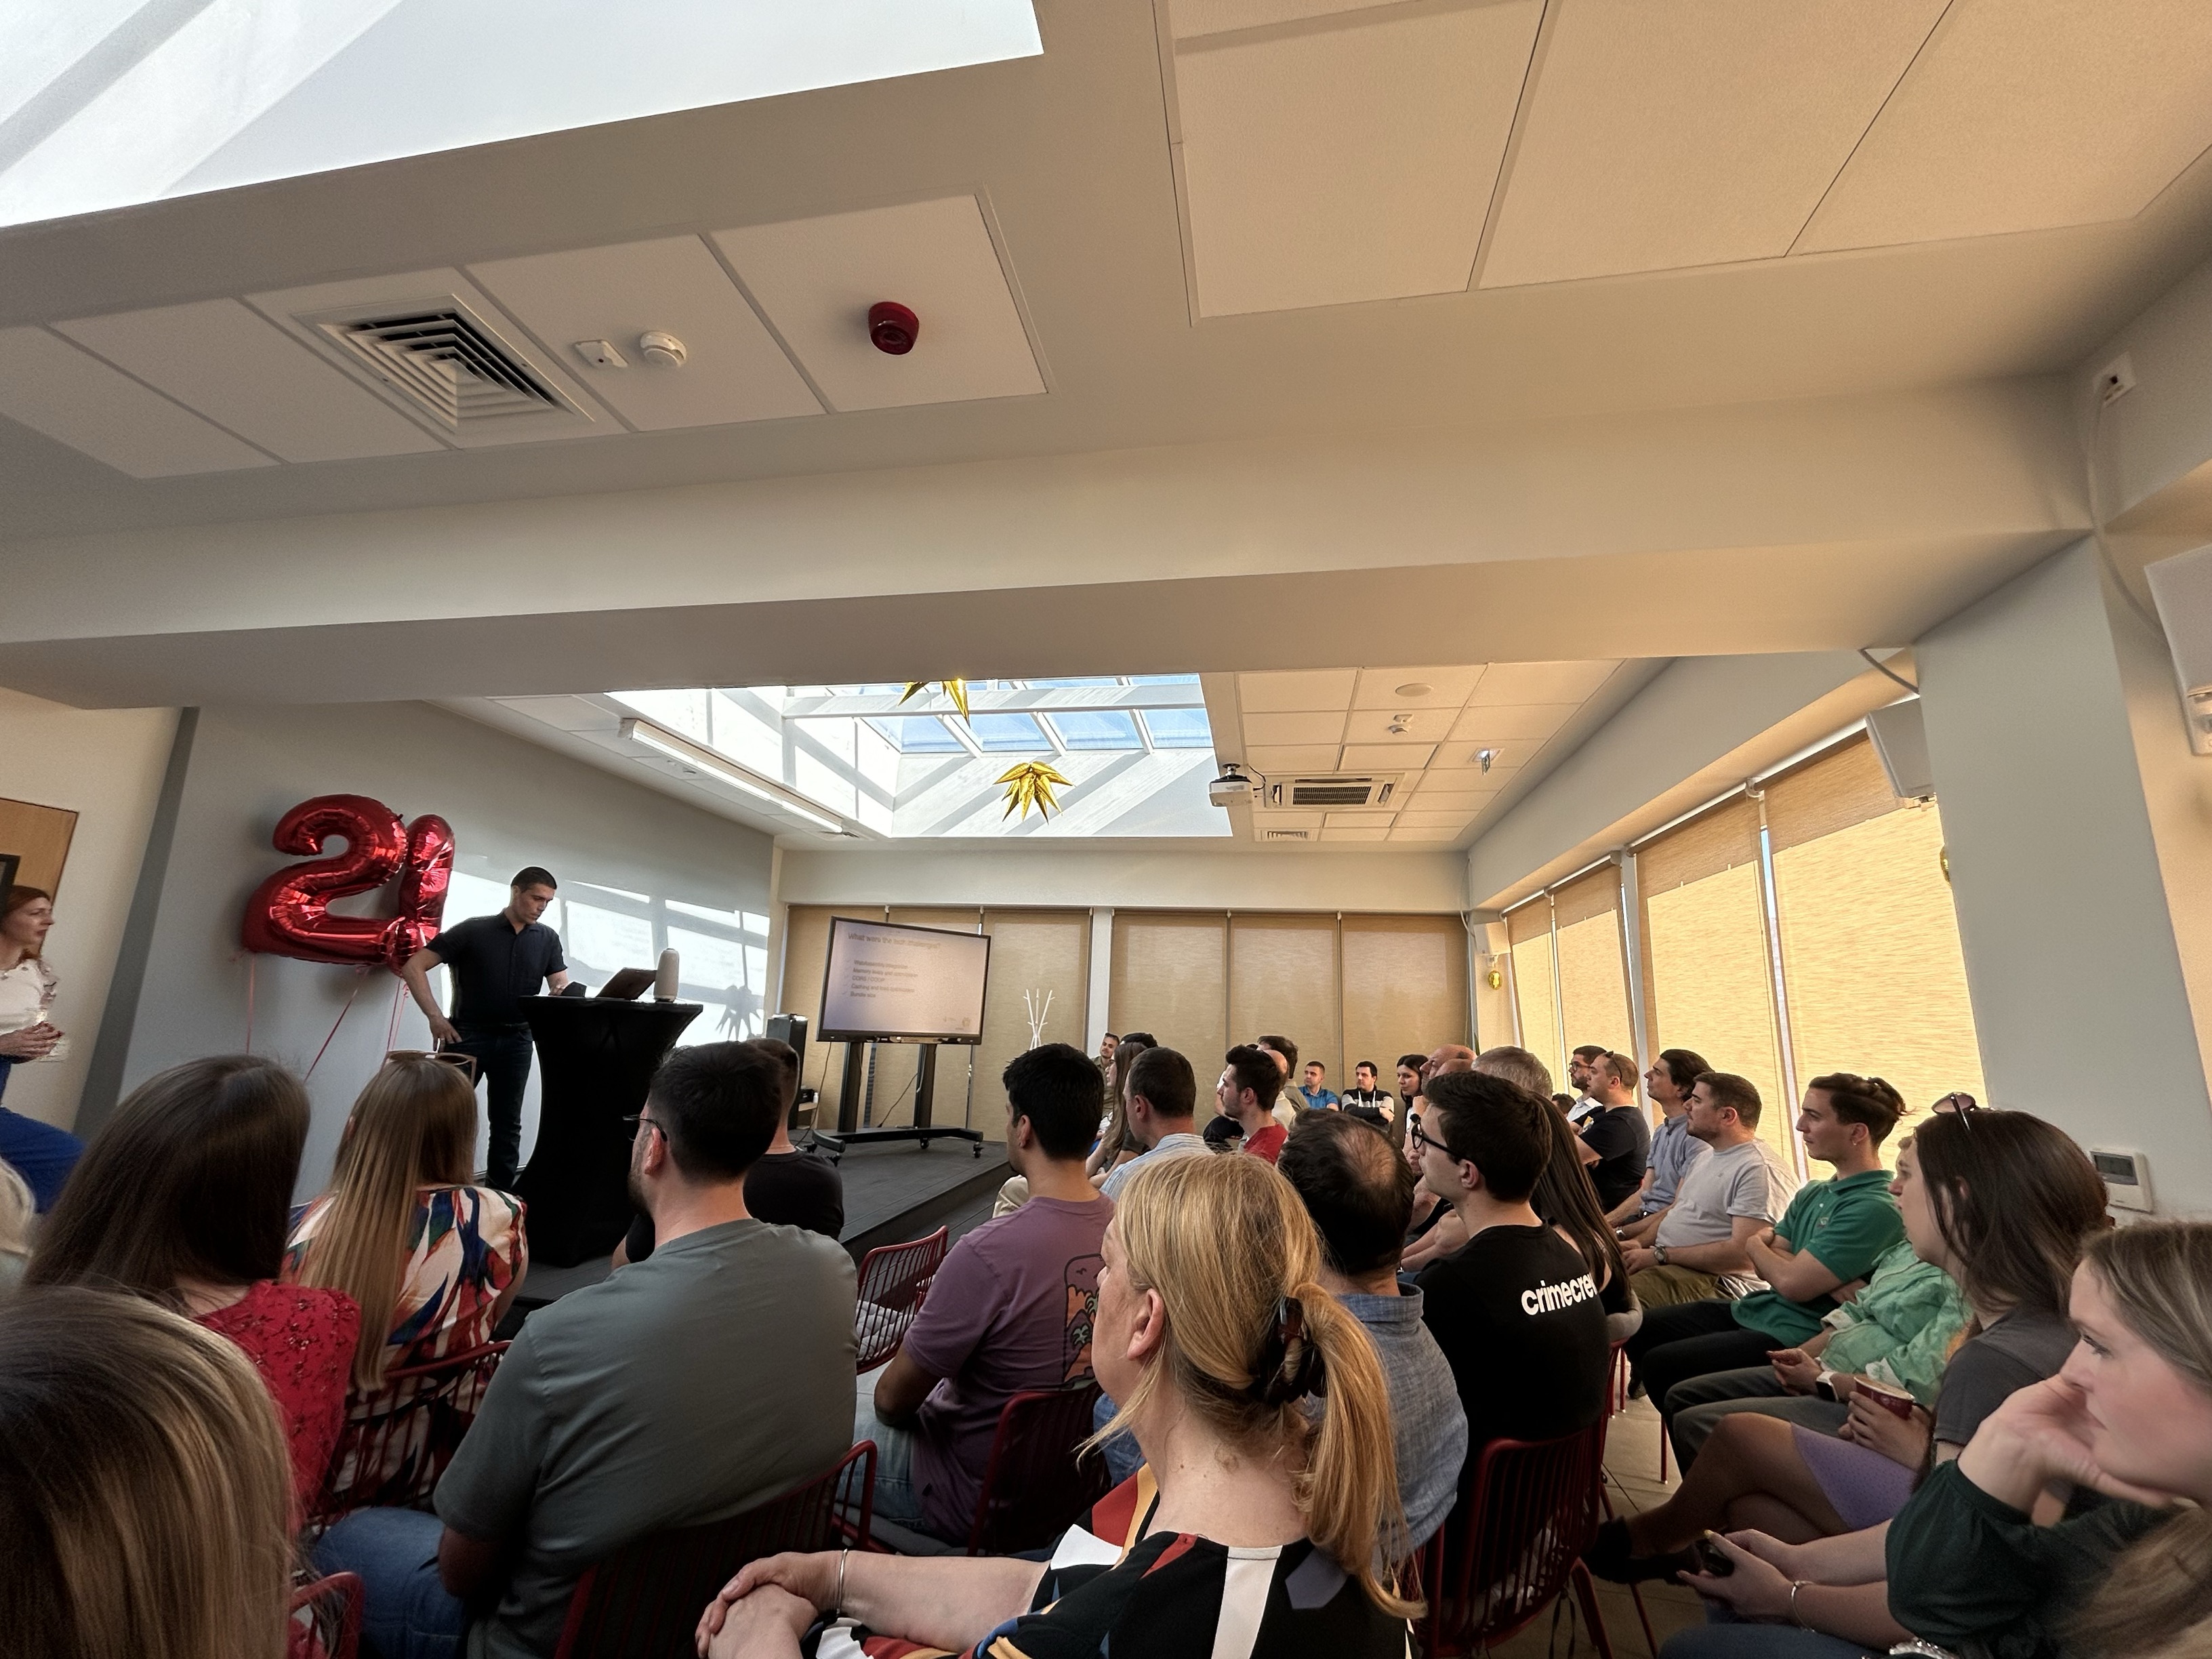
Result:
pixel 2127 1177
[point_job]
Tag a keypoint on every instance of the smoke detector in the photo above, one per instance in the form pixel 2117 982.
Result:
pixel 662 350
pixel 892 328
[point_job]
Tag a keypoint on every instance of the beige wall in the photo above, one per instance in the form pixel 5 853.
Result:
pixel 105 765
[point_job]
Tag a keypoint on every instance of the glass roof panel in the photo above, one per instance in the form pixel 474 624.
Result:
pixel 1006 732
pixel 1163 679
pixel 1096 679
pixel 135 106
pixel 1099 729
pixel 1179 728
pixel 917 734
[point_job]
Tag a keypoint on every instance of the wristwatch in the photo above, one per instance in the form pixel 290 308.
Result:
pixel 1825 1385
pixel 1659 1254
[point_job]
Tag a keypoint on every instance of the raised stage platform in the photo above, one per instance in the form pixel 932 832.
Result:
pixel 894 1191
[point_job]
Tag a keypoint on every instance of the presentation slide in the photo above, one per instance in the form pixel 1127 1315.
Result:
pixel 886 981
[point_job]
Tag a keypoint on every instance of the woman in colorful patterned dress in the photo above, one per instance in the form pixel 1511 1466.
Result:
pixel 432 1261
pixel 1267 1495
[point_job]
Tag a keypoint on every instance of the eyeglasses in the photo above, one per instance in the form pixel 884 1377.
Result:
pixel 465 1064
pixel 639 1120
pixel 1420 1140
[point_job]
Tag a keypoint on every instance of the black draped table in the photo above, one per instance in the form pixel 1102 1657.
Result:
pixel 595 1057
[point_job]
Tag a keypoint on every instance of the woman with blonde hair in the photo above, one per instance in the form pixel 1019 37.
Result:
pixel 433 1260
pixel 143 1486
pixel 1269 1489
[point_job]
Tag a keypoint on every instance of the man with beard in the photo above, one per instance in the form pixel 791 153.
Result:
pixel 683 1388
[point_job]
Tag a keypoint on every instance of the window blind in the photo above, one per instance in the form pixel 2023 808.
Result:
pixel 1593 969
pixel 1042 951
pixel 1405 992
pixel 1170 977
pixel 1536 1000
pixel 1282 978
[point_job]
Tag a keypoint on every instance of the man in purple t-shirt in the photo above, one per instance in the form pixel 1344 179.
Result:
pixel 1011 1308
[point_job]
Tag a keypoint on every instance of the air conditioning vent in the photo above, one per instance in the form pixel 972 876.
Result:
pixel 446 362
pixel 1339 790
pixel 1288 835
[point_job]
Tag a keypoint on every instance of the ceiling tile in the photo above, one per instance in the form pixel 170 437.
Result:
pixel 1422 725
pixel 72 397
pixel 1468 801
pixel 1441 778
pixel 1191 18
pixel 816 278
pixel 236 367
pixel 1391 688
pixel 1296 757
pixel 2024 115
pixel 1419 818
pixel 1327 167
pixel 1293 728
pixel 1421 832
pixel 1385 756
pixel 733 370
pixel 1660 136
pixel 1368 816
pixel 1358 832
pixel 1264 820
pixel 1492 724
pixel 1296 691
pixel 1539 682
pixel 1505 754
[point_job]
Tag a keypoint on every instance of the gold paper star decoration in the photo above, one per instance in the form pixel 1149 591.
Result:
pixel 956 689
pixel 1031 784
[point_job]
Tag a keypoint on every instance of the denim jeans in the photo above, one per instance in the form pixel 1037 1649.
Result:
pixel 411 1614
pixel 1736 1639
pixel 503 1058
pixel 896 1496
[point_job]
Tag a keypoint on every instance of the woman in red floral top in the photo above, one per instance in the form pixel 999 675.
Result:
pixel 184 1197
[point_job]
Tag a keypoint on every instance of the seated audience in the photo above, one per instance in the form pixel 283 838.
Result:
pixel 1516 1309
pixel 1246 1094
pixel 1565 1202
pixel 1116 1145
pixel 2003 1206
pixel 184 1197
pixel 1584 1102
pixel 144 1488
pixel 42 1154
pixel 1435 1229
pixel 1832 1233
pixel 1163 1102
pixel 1674 1148
pixel 2131 1417
pixel 1287 1105
pixel 788 1186
pixel 1011 1308
pixel 18 1213
pixel 1409 1084
pixel 1360 1193
pixel 1365 1098
pixel 1442 1231
pixel 1514 1065
pixel 1700 1247
pixel 1264 1418
pixel 1316 1093
pixel 681 1388
pixel 1615 1129
pixel 1898 1331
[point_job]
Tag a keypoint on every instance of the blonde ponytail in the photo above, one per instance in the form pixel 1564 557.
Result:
pixel 1254 1343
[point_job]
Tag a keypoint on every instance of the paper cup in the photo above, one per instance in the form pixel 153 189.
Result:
pixel 1896 1402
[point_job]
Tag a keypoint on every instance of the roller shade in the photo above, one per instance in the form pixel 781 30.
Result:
pixel 1043 952
pixel 1405 992
pixel 1170 977
pixel 1535 1001
pixel 1593 968
pixel 1282 978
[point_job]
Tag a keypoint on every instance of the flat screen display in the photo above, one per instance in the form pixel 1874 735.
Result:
pixel 888 982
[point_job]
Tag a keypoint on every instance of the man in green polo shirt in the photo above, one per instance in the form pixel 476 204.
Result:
pixel 1831 1235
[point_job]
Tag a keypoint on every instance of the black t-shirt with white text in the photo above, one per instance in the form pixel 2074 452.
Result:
pixel 1519 1318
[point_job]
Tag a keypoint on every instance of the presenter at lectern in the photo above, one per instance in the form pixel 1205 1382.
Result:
pixel 496 962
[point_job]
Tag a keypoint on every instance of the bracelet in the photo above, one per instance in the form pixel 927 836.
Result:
pixel 1796 1584
pixel 846 1555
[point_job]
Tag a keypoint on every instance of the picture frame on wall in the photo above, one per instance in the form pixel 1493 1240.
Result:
pixel 37 837
pixel 9 863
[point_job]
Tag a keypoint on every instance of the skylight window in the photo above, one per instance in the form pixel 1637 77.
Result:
pixel 1101 729
pixel 1004 733
pixel 921 734
pixel 1179 728
pixel 107 103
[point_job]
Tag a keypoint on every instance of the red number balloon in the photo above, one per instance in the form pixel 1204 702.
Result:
pixel 289 913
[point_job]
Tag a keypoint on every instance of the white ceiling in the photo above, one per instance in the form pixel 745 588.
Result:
pixel 1427 729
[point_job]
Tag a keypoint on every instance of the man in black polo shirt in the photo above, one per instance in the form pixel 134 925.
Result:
pixel 496 962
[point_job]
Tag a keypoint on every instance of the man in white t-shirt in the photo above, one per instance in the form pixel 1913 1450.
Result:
pixel 1725 1200
pixel 1162 1101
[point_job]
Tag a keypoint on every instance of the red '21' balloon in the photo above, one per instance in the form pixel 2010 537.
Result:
pixel 289 912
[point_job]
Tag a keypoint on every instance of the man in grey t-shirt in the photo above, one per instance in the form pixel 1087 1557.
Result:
pixel 1697 1251
pixel 1163 1098
pixel 685 1388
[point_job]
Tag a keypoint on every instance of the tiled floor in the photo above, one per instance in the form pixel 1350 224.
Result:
pixel 1632 1459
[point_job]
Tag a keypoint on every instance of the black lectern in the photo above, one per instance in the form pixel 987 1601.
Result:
pixel 595 1057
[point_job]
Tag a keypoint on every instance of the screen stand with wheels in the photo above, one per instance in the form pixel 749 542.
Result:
pixel 921 1129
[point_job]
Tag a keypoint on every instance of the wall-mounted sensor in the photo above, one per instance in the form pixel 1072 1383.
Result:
pixel 600 354
pixel 892 327
pixel 662 350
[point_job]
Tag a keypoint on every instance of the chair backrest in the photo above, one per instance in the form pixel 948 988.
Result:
pixel 643 1601
pixel 332 1608
pixel 1034 1485
pixel 397 1442
pixel 894 1280
pixel 1527 1510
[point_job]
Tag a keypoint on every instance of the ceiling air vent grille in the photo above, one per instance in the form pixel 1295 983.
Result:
pixel 1339 790
pixel 447 363
pixel 1288 835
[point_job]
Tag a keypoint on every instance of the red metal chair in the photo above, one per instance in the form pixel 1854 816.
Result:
pixel 1033 1485
pixel 397 1442
pixel 326 1617
pixel 894 1280
pixel 643 1601
pixel 1514 1542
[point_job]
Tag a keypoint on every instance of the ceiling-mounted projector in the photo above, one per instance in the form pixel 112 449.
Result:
pixel 1232 786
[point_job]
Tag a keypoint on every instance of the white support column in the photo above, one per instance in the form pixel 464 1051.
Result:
pixel 1102 974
